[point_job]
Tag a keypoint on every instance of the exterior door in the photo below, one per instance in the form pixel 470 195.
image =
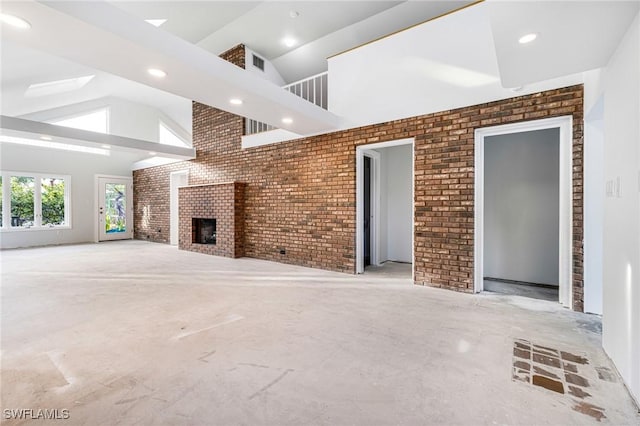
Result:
pixel 115 208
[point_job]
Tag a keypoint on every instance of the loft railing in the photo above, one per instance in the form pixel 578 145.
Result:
pixel 312 89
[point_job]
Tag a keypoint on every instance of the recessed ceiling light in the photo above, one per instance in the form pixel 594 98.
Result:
pixel 157 72
pixel 14 21
pixel 294 14
pixel 45 138
pixel 106 146
pixel 289 42
pixel 57 86
pixel 527 38
pixel 287 120
pixel 155 22
pixel 235 101
pixel 152 153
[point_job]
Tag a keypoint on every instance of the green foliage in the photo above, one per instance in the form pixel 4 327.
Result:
pixel 52 201
pixel 22 198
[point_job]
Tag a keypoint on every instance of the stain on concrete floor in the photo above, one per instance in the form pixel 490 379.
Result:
pixel 562 372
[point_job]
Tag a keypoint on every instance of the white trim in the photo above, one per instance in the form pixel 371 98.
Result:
pixel 565 126
pixel 361 151
pixel 5 226
pixel 320 74
pixel 374 225
pixel 96 202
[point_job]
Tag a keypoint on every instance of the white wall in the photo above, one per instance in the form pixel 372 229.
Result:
pixel 593 206
pixel 383 255
pixel 82 168
pixel 396 232
pixel 427 68
pixel 521 206
pixel 621 244
pixel 399 164
pixel 270 72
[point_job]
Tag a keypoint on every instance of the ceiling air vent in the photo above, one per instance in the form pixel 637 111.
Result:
pixel 258 62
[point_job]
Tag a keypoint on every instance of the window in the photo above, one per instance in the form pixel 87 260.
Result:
pixel 94 121
pixel 166 136
pixel 34 201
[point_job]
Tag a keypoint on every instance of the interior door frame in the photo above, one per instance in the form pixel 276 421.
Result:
pixel 174 204
pixel 96 202
pixel 367 150
pixel 565 126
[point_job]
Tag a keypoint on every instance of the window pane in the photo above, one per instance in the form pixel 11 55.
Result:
pixel 115 206
pixel 94 121
pixel 167 137
pixel 52 201
pixel 22 189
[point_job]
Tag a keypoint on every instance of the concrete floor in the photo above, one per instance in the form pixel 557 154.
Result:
pixel 141 333
pixel 535 292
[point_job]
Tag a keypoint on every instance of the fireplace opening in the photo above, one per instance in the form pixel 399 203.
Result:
pixel 203 231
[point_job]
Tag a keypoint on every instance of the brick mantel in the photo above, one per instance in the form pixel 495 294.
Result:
pixel 223 202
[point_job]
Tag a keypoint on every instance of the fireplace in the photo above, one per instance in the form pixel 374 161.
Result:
pixel 199 231
pixel 203 231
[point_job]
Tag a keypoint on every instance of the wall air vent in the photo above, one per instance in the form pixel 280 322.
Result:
pixel 258 62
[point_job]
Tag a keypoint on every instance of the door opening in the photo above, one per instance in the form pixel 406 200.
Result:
pixel 521 220
pixel 523 208
pixel 384 208
pixel 115 208
pixel 177 179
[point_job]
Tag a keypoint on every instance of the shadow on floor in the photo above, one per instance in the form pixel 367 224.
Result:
pixel 522 289
pixel 390 270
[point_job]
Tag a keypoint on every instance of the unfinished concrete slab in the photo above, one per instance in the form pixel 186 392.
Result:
pixel 141 333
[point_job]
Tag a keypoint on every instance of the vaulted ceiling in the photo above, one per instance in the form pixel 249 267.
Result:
pixel 112 41
pixel 317 29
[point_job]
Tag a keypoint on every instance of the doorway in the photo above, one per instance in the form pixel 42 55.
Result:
pixel 115 208
pixel 177 179
pixel 384 208
pixel 523 209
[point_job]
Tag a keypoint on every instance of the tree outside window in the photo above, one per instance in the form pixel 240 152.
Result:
pixel 22 201
pixel 52 201
pixel 34 200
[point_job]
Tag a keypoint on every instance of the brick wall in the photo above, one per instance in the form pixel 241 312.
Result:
pixel 222 202
pixel 300 195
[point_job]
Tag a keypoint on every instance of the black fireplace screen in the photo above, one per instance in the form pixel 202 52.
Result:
pixel 204 231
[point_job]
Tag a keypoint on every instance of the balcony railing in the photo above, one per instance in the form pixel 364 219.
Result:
pixel 312 89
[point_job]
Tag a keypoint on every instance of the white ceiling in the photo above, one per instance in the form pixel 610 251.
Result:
pixel 22 66
pixel 323 28
pixel 572 36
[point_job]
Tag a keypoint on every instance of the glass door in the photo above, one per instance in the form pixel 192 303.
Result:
pixel 115 209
